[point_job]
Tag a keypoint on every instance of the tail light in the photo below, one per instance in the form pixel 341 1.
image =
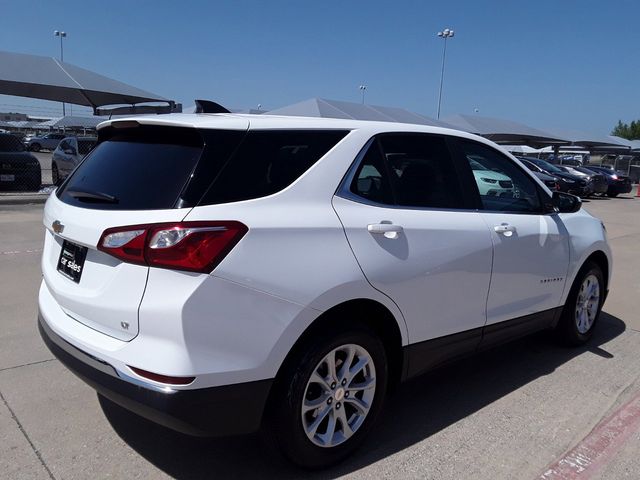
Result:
pixel 191 246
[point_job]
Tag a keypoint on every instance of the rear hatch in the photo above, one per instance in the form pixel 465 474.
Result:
pixel 137 174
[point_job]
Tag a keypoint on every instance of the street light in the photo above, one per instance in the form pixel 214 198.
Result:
pixel 362 88
pixel 62 35
pixel 446 33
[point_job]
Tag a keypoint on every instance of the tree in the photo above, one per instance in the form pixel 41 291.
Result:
pixel 629 131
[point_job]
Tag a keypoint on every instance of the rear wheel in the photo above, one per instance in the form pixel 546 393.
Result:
pixel 582 309
pixel 35 147
pixel 328 398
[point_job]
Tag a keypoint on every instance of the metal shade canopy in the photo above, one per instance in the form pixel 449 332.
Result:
pixel 47 78
pixel 590 140
pixel 322 107
pixel 505 131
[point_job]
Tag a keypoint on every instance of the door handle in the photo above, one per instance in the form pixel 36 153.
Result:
pixel 389 230
pixel 505 229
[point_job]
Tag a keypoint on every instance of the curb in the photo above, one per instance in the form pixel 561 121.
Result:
pixel 23 199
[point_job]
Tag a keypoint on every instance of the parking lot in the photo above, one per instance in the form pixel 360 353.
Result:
pixel 509 413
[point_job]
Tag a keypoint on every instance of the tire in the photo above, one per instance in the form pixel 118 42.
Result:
pixel 35 147
pixel 288 425
pixel 55 174
pixel 582 309
pixel 612 194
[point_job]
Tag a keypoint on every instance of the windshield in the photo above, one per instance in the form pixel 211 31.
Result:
pixel 547 166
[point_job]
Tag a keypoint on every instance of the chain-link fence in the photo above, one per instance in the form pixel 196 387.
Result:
pixel 626 164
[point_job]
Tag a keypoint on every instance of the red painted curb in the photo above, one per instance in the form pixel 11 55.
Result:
pixel 599 447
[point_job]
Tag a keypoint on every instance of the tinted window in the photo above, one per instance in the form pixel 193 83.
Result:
pixel 371 180
pixel 85 146
pixel 269 161
pixel 63 145
pixel 421 171
pixel 144 168
pixel 501 183
pixel 9 143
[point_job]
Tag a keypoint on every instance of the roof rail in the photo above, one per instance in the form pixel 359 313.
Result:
pixel 207 106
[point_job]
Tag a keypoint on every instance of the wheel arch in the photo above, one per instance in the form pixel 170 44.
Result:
pixel 600 258
pixel 361 311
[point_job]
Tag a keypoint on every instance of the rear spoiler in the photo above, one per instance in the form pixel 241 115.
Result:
pixel 172 107
pixel 202 106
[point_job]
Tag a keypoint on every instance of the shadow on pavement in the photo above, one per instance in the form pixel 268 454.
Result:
pixel 417 410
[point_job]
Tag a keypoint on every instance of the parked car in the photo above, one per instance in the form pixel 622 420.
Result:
pixel 19 170
pixel 568 182
pixel 618 182
pixel 68 155
pixel 490 182
pixel 219 273
pixel 553 183
pixel 45 142
pixel 597 180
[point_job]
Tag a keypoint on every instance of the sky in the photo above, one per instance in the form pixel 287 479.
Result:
pixel 552 64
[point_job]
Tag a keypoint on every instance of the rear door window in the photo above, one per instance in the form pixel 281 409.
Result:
pixel 412 170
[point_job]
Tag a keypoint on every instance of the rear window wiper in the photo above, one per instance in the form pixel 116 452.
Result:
pixel 92 196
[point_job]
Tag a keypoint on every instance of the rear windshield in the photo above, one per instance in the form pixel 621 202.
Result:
pixel 155 167
pixel 141 169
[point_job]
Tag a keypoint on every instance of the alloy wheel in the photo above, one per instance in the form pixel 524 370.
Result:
pixel 338 395
pixel 587 303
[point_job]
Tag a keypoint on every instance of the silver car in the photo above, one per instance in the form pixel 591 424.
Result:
pixel 68 156
pixel 43 142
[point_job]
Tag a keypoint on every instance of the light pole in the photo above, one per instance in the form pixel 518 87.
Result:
pixel 62 35
pixel 446 33
pixel 362 88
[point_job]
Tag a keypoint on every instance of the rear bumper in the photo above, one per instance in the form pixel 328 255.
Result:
pixel 217 411
pixel 620 187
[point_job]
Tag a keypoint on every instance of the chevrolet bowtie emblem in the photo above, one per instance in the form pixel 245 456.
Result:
pixel 57 226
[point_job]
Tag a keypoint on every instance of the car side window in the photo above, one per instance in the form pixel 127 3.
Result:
pixel 502 185
pixel 408 170
pixel 63 145
pixel 421 171
pixel 371 180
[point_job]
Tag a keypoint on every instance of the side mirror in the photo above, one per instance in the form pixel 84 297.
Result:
pixel 563 202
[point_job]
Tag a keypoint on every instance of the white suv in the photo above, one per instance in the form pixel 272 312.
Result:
pixel 219 273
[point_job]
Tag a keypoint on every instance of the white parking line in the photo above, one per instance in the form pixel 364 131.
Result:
pixel 20 252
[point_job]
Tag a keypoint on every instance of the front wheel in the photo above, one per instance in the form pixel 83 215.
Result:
pixel 582 309
pixel 328 398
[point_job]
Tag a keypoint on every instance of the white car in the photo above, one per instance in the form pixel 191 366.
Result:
pixel 490 182
pixel 68 155
pixel 221 273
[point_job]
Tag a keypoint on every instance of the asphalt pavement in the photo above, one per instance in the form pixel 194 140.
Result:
pixel 531 409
